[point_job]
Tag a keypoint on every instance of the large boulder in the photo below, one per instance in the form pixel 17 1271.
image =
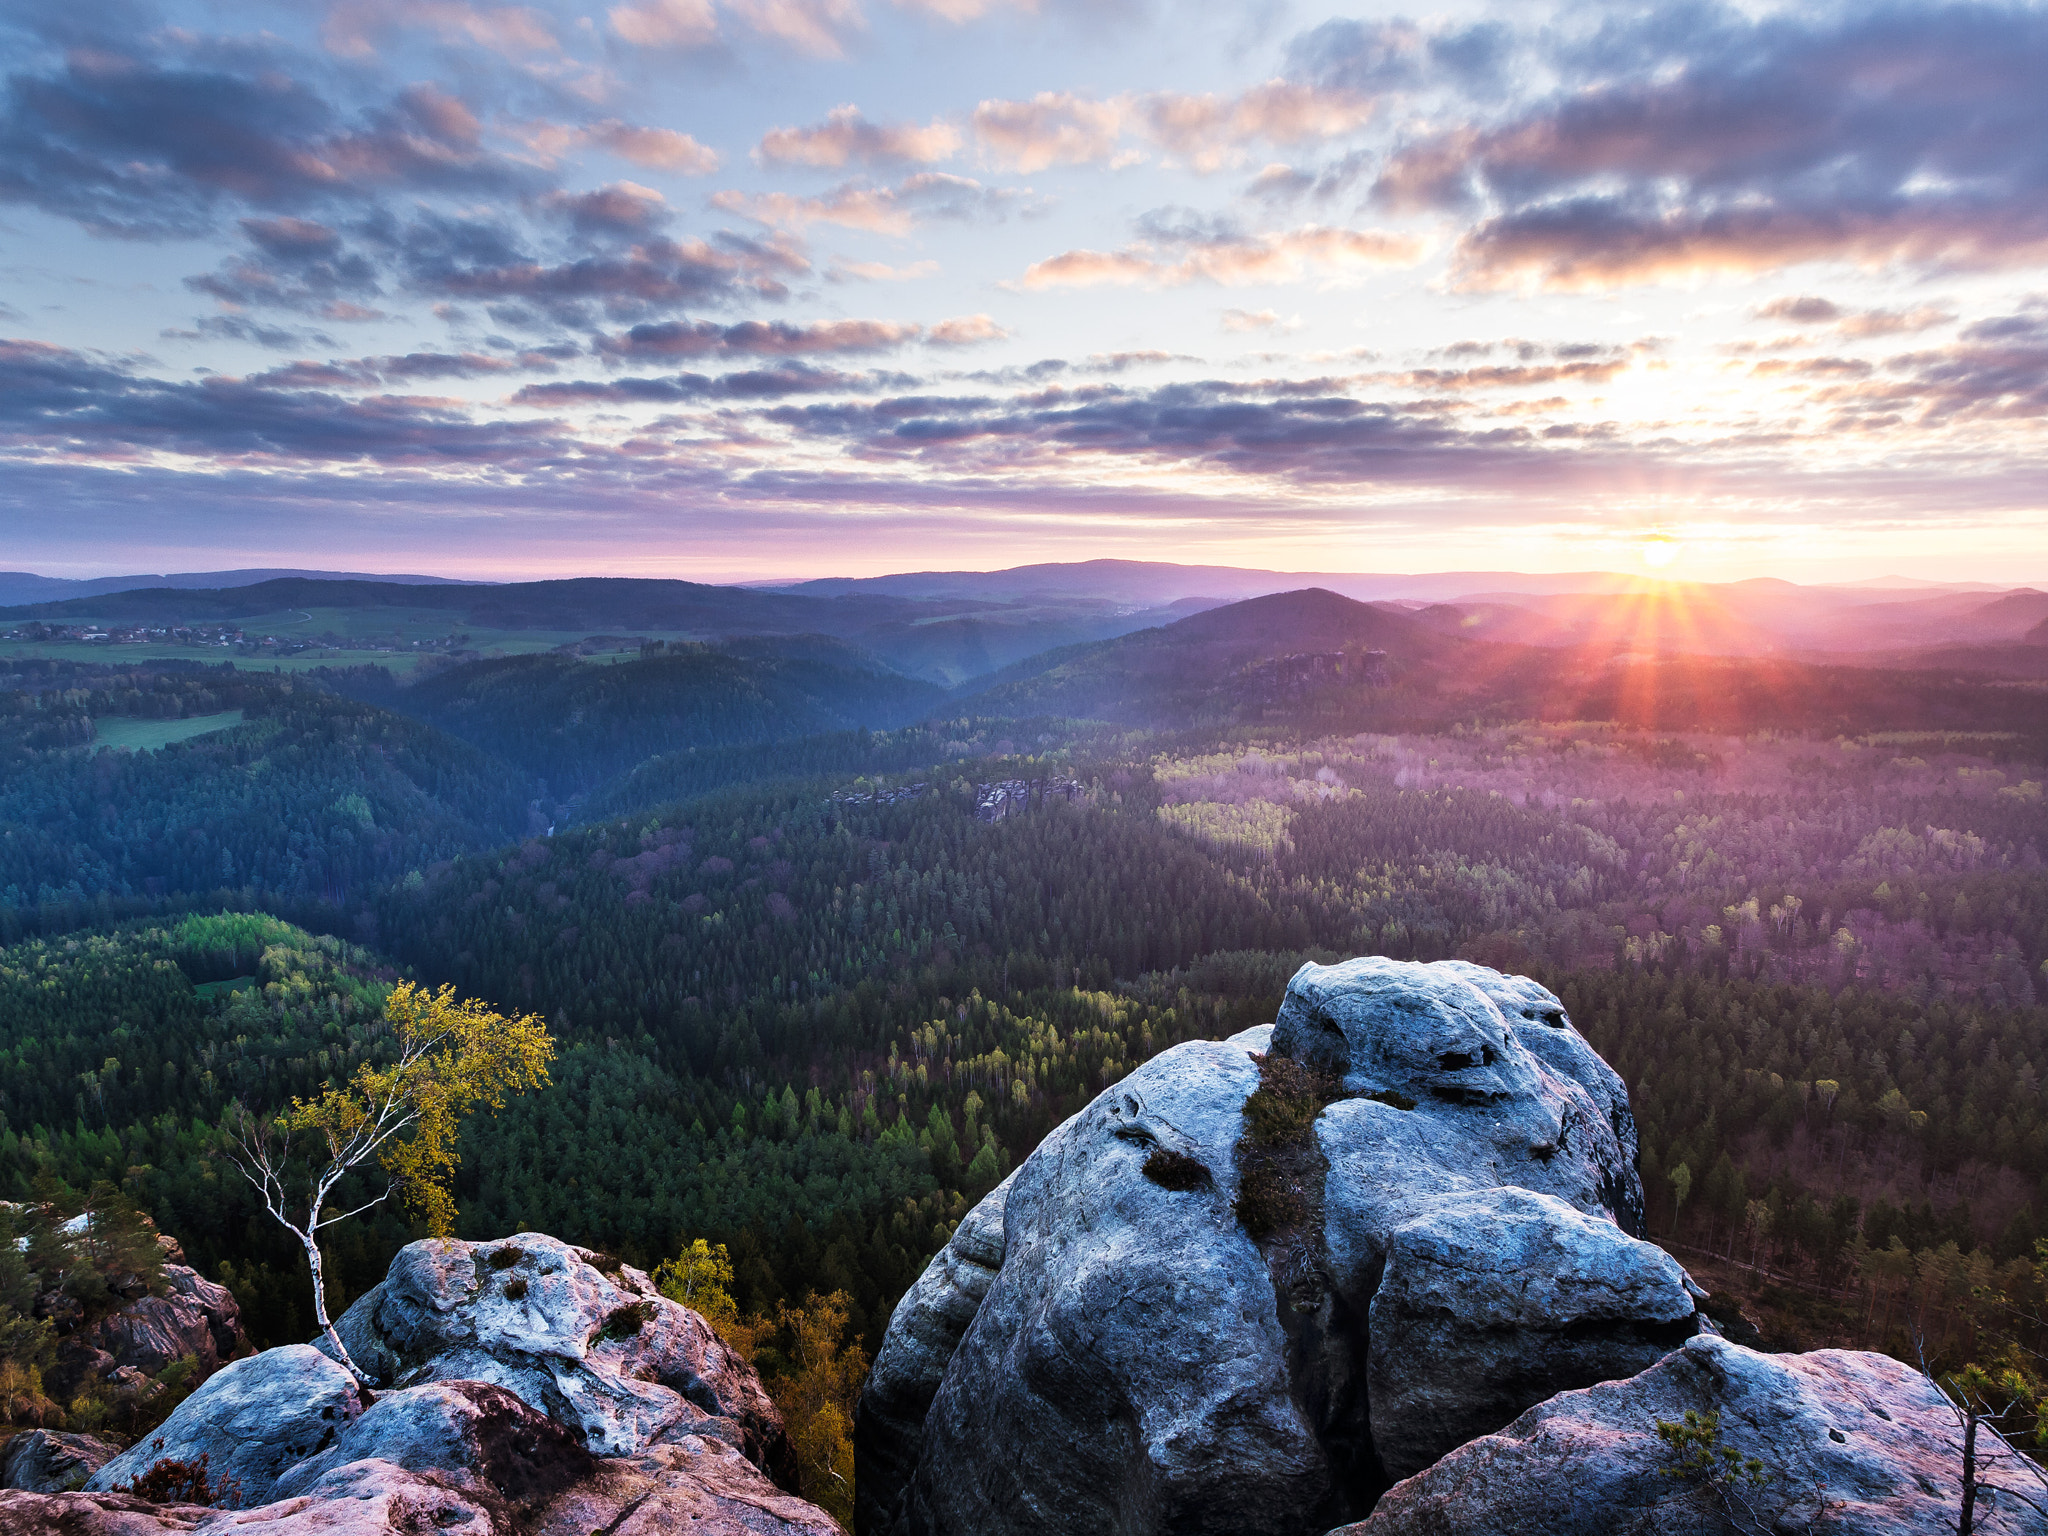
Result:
pixel 1844 1441
pixel 45 1461
pixel 583 1339
pixel 1496 1298
pixel 1180 1329
pixel 251 1421
pixel 924 1330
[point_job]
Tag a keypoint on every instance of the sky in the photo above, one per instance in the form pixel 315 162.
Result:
pixel 740 289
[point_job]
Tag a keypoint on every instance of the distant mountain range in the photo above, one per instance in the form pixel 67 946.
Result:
pixel 983 630
pixel 17 587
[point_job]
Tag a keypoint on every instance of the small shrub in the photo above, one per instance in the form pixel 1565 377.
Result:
pixel 506 1257
pixel 605 1262
pixel 1389 1096
pixel 182 1482
pixel 515 1287
pixel 625 1321
pixel 1287 1101
pixel 1278 1160
pixel 1176 1170
pixel 1268 1202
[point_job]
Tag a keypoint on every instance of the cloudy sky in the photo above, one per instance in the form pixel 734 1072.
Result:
pixel 731 288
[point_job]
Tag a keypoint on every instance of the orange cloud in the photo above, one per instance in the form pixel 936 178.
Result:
pixel 1282 257
pixel 847 136
pixel 1052 128
pixel 665 23
pixel 966 331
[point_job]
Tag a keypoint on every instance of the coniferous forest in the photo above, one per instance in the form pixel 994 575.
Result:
pixel 826 951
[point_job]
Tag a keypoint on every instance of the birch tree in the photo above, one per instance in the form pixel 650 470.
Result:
pixel 451 1058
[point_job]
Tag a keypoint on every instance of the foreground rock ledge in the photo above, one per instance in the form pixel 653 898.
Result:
pixel 533 1389
pixel 1852 1443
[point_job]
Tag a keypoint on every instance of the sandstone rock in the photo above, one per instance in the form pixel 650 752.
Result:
pixel 476 1437
pixel 1139 1363
pixel 44 1461
pixel 1852 1443
pixel 1495 1299
pixel 704 1487
pixel 1538 1017
pixel 366 1498
pixel 195 1317
pixel 251 1421
pixel 1127 1370
pixel 701 1486
pixel 595 1348
pixel 924 1330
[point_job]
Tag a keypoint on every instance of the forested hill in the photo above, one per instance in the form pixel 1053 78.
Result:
pixel 591 605
pixel 300 798
pixel 577 725
pixel 1297 659
pixel 1199 670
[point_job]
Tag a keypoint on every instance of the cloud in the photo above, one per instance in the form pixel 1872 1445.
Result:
pixel 815 27
pixel 883 272
pixel 355 28
pixel 295 264
pixel 1053 128
pixel 665 23
pixel 376 372
pixel 881 210
pixel 659 149
pixel 789 378
pixel 962 11
pixel 1249 320
pixel 1230 260
pixel 134 148
pixel 703 338
pixel 845 137
pixel 1374 58
pixel 478 261
pixel 1210 131
pixel 53 397
pixel 1206 131
pixel 1704 142
pixel 622 208
pixel 965 331
pixel 1854 324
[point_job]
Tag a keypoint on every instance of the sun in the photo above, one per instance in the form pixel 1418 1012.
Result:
pixel 1660 551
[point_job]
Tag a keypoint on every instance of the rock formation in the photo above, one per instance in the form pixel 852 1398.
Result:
pixel 46 1461
pixel 1843 1441
pixel 571 1333
pixel 524 1387
pixel 188 1315
pixel 1259 1280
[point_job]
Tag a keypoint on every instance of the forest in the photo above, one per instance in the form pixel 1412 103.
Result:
pixel 812 998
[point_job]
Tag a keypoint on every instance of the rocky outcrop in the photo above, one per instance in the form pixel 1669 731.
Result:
pixel 250 1421
pixel 189 1315
pixel 576 1336
pixel 193 1316
pixel 1843 1442
pixel 924 1330
pixel 45 1461
pixel 590 1403
pixel 1200 1320
pixel 1490 1300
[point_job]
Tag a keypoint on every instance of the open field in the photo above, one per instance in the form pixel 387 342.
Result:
pixel 154 735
